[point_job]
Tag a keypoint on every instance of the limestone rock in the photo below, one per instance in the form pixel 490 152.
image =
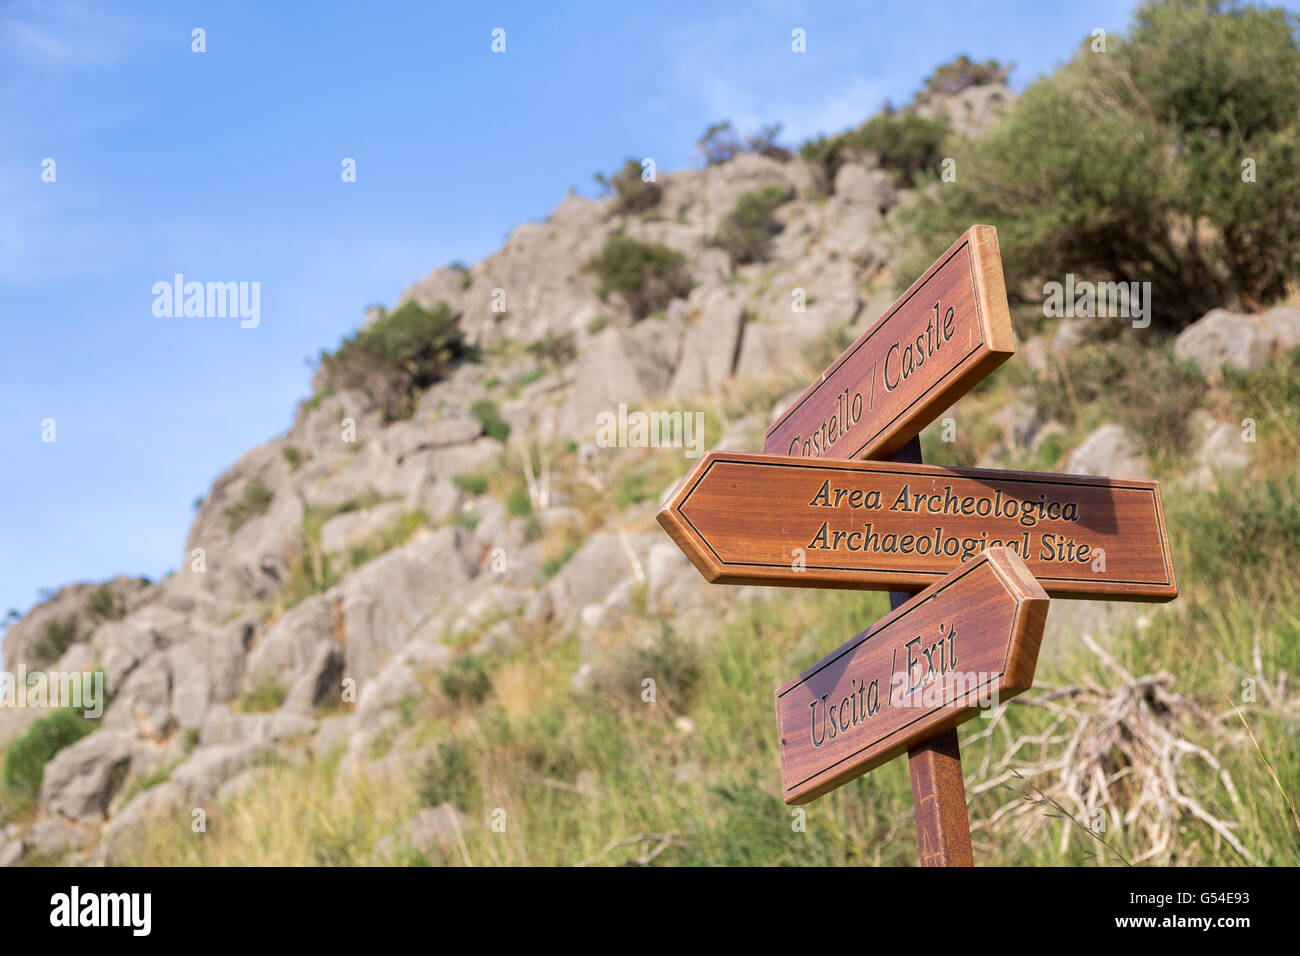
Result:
pixel 1248 342
pixel 1109 452
pixel 81 778
pixel 386 600
pixel 46 632
pixel 124 834
pixel 1222 453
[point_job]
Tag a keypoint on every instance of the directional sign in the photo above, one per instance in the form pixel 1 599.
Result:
pixel 967 642
pixel 943 335
pixel 777 520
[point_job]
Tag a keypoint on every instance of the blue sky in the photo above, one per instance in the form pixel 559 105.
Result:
pixel 225 166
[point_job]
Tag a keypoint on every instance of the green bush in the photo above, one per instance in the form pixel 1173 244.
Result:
pixel 489 416
pixel 745 231
pixel 403 352
pixel 552 565
pixel 25 762
pixel 1128 166
pixel 559 348
pixel 906 144
pixel 1146 388
pixel 961 73
pixel 518 503
pixel 720 143
pixel 292 456
pixel 254 501
pixel 451 777
pixel 103 604
pixel 472 484
pixel 634 193
pixel 647 275
pixel 466 680
pixel 57 637
pixel 268 695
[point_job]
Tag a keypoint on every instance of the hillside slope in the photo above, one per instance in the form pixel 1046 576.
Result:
pixel 362 600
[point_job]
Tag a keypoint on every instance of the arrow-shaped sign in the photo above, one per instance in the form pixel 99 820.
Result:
pixel 776 520
pixel 944 334
pixel 967 642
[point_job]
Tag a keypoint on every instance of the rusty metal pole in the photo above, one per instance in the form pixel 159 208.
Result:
pixel 938 791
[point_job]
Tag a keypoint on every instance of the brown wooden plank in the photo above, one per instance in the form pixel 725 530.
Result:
pixel 939 802
pixel 916 674
pixel 944 334
pixel 776 520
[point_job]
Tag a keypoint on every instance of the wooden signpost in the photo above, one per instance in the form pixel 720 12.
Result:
pixel 772 519
pixel 988 546
pixel 943 335
pixel 968 641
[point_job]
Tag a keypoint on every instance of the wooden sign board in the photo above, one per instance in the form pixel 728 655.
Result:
pixel 776 520
pixel 943 335
pixel 968 641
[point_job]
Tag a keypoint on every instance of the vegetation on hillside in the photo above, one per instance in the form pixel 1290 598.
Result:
pixel 392 359
pixel 1170 739
pixel 745 231
pixel 648 275
pixel 1173 157
pixel 602 776
pixel 905 143
pixel 635 193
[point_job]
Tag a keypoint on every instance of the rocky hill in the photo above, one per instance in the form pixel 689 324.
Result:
pixel 331 574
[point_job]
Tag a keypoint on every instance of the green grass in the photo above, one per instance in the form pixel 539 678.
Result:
pixel 266 696
pixel 577 773
pixel 393 536
pixel 254 501
pixel 57 636
pixel 472 484
pixel 25 759
pixel 489 416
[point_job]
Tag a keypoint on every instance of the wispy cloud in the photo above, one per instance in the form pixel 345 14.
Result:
pixel 746 72
pixel 69 34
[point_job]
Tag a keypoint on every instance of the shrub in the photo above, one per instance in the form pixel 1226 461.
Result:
pixel 292 456
pixel 634 193
pixel 268 695
pixel 450 777
pixel 395 357
pixel 552 565
pixel 466 680
pixel 103 604
pixel 1147 389
pixel 1129 166
pixel 393 536
pixel 630 489
pixel 57 637
pixel 961 73
pixel 472 484
pixel 25 762
pixel 489 416
pixel 905 143
pixel 647 275
pixel 745 231
pixel 254 501
pixel 720 143
pixel 559 348
pixel 597 324
pixel 518 503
